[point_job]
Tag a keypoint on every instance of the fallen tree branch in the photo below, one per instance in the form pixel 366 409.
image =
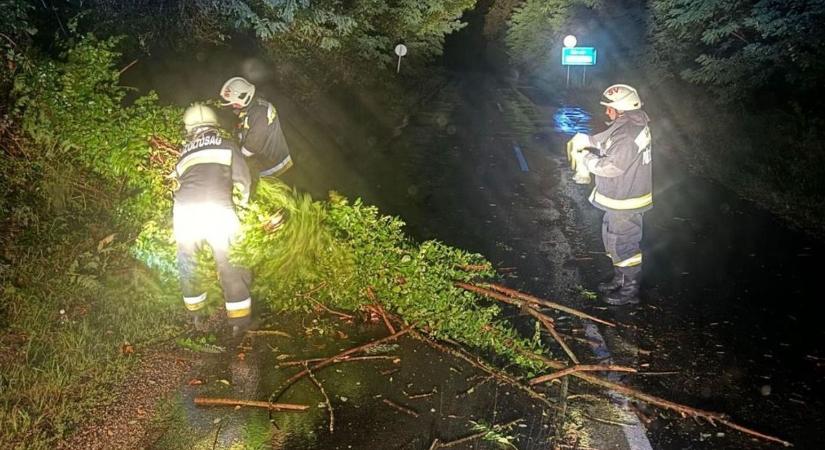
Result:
pixel 477 435
pixel 497 374
pixel 162 144
pixel 539 301
pixel 268 333
pixel 403 409
pixel 127 67
pixel 683 410
pixel 207 401
pixel 340 360
pixel 340 356
pixel 330 310
pixel 552 330
pixel 526 307
pixel 326 397
pixel 580 368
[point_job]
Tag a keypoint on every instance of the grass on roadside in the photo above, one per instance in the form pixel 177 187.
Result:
pixel 69 341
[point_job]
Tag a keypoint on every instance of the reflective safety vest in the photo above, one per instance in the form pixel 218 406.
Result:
pixel 262 138
pixel 623 168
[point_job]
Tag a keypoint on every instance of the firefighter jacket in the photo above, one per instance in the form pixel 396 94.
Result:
pixel 262 138
pixel 208 168
pixel 624 176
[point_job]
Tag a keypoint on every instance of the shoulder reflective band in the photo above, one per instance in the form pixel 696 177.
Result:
pixel 280 167
pixel 210 156
pixel 239 309
pixel 634 260
pixel 271 114
pixel 626 204
pixel 643 140
pixel 195 303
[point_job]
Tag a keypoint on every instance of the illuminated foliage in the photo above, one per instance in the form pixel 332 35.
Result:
pixel 739 47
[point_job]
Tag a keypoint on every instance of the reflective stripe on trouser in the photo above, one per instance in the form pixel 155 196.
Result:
pixel 626 204
pixel 235 310
pixel 214 232
pixel 622 233
pixel 195 303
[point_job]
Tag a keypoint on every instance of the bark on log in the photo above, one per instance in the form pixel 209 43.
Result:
pixel 207 401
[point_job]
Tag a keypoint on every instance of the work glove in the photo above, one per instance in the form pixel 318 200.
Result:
pixel 240 195
pixel 576 151
pixel 579 142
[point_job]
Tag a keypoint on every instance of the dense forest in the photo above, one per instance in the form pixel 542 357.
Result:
pixel 86 269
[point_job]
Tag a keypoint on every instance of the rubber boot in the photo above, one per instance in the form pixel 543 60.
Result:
pixel 198 322
pixel 240 325
pixel 612 284
pixel 627 294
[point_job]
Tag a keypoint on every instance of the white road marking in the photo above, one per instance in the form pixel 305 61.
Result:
pixel 635 434
pixel 520 156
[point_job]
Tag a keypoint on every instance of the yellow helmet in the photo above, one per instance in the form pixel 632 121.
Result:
pixel 237 91
pixel 621 97
pixel 199 115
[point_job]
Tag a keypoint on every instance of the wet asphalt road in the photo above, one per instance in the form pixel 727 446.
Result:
pixel 730 299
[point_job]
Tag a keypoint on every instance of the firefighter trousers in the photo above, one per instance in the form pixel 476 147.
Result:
pixel 622 234
pixel 217 231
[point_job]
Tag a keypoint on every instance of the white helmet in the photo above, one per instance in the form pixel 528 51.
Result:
pixel 237 91
pixel 621 97
pixel 199 115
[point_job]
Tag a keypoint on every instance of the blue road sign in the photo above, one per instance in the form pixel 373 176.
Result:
pixel 578 56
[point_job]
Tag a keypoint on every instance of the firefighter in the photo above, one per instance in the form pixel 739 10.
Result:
pixel 209 168
pixel 259 130
pixel 620 158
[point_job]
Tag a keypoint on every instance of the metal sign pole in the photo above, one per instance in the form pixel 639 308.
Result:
pixel 584 76
pixel 568 77
pixel 400 50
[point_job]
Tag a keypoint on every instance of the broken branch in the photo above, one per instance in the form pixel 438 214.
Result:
pixel 683 410
pixel 403 409
pixel 326 398
pixel 580 368
pixel 341 355
pixel 539 301
pixel 206 401
pixel 340 360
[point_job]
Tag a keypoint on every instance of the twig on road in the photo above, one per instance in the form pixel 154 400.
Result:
pixel 340 356
pixel 326 397
pixel 403 409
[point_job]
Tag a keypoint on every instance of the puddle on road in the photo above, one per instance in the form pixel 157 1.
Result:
pixel 570 120
pixel 375 402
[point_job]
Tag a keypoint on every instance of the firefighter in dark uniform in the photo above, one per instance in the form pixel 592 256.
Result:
pixel 260 133
pixel 624 188
pixel 209 168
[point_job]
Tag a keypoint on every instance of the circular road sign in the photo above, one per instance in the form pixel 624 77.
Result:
pixel 569 41
pixel 400 49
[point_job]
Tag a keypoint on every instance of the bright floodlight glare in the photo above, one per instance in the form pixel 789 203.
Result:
pixel 569 41
pixel 205 222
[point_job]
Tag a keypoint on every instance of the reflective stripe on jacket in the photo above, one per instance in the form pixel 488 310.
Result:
pixel 208 167
pixel 623 169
